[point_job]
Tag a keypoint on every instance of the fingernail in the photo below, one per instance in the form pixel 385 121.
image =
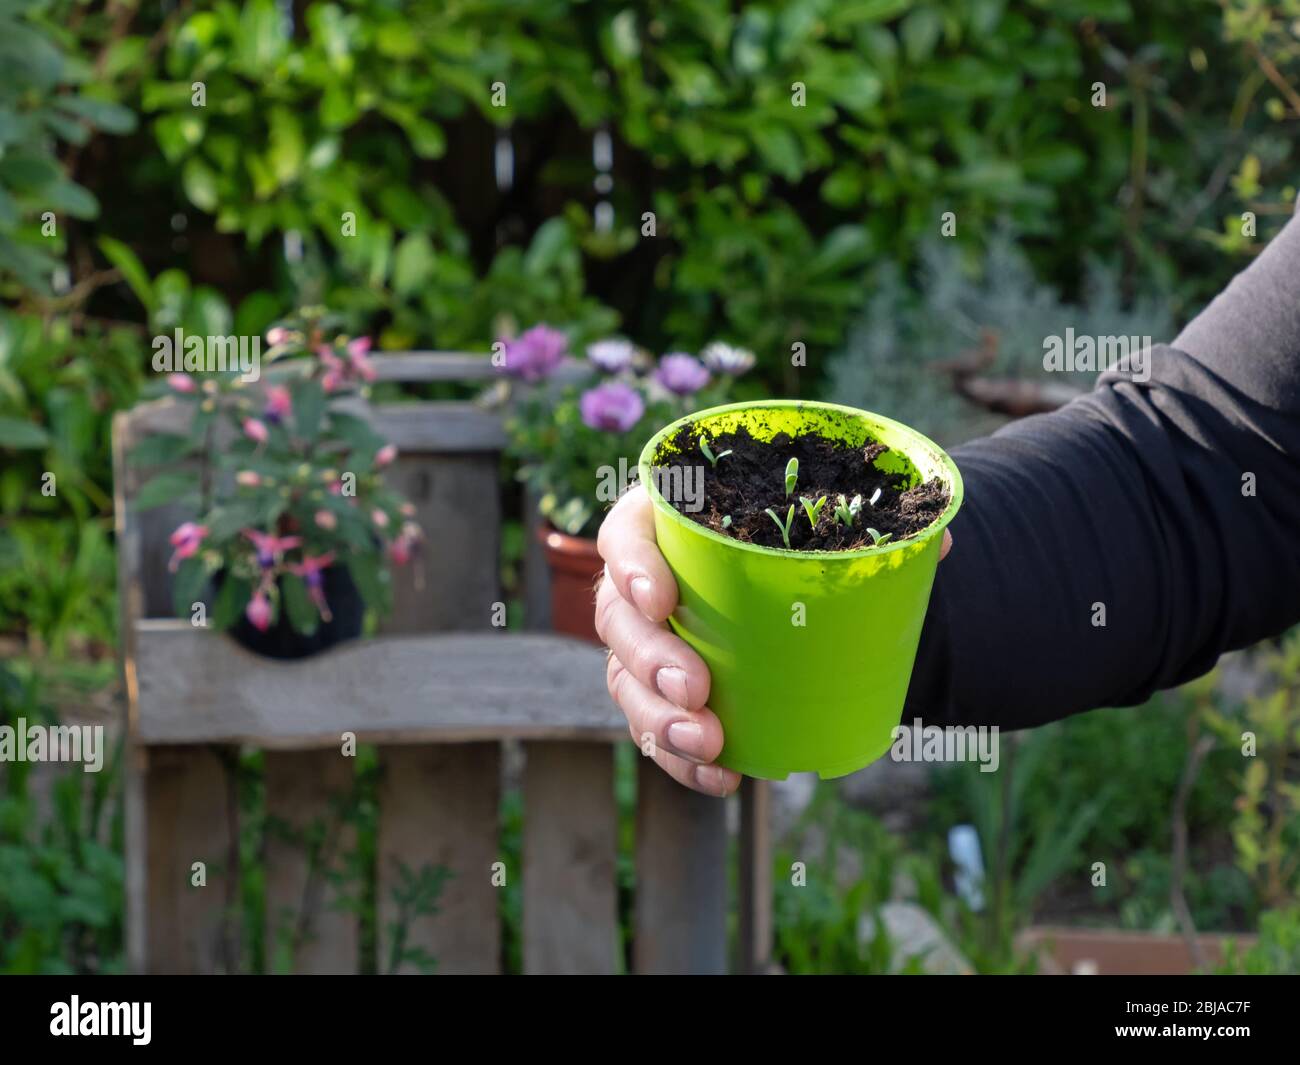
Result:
pixel 712 779
pixel 671 682
pixel 641 593
pixel 687 739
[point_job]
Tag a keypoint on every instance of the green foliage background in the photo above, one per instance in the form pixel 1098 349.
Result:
pixel 344 154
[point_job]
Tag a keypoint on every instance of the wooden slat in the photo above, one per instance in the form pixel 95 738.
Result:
pixel 570 849
pixel 433 366
pixel 455 366
pixel 439 425
pixel 198 686
pixel 432 425
pixel 188 816
pixel 438 808
pixel 310 838
pixel 681 877
pixel 754 945
pixel 454 580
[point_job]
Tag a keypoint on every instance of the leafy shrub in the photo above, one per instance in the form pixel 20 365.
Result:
pixel 893 358
pixel 61 872
pixel 43 101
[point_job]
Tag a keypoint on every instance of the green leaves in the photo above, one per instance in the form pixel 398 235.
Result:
pixel 847 512
pixel 708 453
pixel 784 526
pixel 303 615
pixel 308 407
pixel 17 434
pixel 166 488
pixel 812 510
pixel 160 448
pixel 188 584
pixel 413 264
pixel 232 597
pixel 133 271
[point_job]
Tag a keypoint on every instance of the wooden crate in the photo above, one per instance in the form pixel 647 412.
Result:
pixel 439 693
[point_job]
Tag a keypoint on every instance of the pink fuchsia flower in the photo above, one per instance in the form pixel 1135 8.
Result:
pixel 335 371
pixel 404 545
pixel 277 335
pixel 357 358
pixel 255 430
pixel 379 518
pixel 611 356
pixel 181 382
pixel 681 374
pixel 278 404
pixel 269 548
pixel 385 455
pixel 407 509
pixel 258 611
pixel 724 359
pixel 613 407
pixel 309 569
pixel 186 539
pixel 248 478
pixel 535 354
pixel 326 520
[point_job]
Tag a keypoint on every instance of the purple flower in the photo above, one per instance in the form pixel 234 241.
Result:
pixel 612 407
pixel 611 356
pixel 723 358
pixel 536 353
pixel 681 373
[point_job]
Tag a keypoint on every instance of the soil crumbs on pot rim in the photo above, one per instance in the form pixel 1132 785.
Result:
pixel 746 482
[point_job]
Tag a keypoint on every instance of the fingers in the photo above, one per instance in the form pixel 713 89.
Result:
pixel 627 544
pixel 661 661
pixel 947 545
pixel 681 744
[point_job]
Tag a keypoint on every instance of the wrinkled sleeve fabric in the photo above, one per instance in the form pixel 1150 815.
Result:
pixel 1169 509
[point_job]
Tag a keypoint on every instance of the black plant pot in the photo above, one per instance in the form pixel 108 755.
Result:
pixel 347 612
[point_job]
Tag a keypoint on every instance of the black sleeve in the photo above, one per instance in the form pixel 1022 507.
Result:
pixel 1171 505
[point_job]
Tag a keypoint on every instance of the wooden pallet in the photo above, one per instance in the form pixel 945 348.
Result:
pixel 439 692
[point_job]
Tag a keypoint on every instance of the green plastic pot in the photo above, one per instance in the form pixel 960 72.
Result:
pixel 810 652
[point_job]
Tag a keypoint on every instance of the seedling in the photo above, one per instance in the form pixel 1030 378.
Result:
pixel 877 539
pixel 847 513
pixel 813 510
pixel 874 496
pixel 726 521
pixel 789 521
pixel 791 475
pixel 708 453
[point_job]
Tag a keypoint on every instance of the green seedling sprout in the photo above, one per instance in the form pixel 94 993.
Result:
pixel 789 521
pixel 708 453
pixel 846 513
pixel 726 521
pixel 877 539
pixel 813 510
pixel 791 475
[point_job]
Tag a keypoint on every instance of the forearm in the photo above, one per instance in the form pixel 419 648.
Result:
pixel 1120 545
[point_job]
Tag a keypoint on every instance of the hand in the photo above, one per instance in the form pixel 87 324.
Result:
pixel 657 680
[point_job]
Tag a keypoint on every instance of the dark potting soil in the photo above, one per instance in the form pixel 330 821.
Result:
pixel 751 479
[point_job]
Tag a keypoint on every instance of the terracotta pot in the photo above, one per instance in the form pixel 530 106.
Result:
pixel 575 565
pixel 1102 952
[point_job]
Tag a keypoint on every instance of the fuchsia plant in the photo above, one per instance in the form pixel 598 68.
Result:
pixel 568 433
pixel 286 485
